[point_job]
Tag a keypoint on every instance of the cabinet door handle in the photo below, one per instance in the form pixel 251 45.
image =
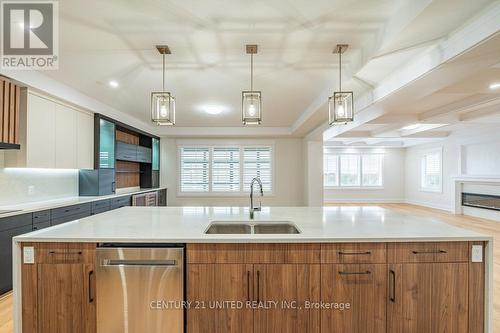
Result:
pixel 258 286
pixel 429 252
pixel 355 273
pixel 91 288
pixel 392 295
pixel 248 285
pixel 341 253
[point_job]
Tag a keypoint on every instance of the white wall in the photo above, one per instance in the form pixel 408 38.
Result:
pixel 47 184
pixel 393 179
pixel 288 184
pixel 474 153
pixel 313 173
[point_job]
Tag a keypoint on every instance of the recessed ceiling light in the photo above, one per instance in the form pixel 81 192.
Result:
pixel 410 127
pixel 213 110
pixel 495 85
pixel 113 84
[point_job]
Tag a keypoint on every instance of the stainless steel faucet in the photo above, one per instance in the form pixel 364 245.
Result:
pixel 252 208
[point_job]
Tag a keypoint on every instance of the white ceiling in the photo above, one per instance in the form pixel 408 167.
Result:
pixel 453 98
pixel 295 68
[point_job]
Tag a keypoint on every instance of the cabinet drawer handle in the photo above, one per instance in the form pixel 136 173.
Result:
pixel 392 296
pixel 68 252
pixel 355 273
pixel 341 253
pixel 429 252
pixel 91 288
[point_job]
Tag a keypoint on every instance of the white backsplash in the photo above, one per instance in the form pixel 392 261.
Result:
pixel 20 185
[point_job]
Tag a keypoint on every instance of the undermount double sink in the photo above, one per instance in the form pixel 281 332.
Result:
pixel 252 227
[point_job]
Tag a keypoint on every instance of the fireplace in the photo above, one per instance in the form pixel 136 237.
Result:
pixel 486 201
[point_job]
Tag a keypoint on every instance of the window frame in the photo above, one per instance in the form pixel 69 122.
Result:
pixel 360 173
pixel 224 144
pixel 423 156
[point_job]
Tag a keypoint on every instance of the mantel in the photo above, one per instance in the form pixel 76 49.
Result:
pixel 476 179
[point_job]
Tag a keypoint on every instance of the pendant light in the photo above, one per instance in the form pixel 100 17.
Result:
pixel 341 104
pixel 162 102
pixel 251 100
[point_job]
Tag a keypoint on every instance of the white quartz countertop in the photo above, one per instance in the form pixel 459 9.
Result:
pixel 188 225
pixel 30 207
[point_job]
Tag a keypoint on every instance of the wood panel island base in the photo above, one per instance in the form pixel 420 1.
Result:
pixel 343 287
pixel 261 287
pixel 348 270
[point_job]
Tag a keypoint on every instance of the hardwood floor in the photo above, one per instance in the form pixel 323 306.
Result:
pixel 481 225
pixel 6 314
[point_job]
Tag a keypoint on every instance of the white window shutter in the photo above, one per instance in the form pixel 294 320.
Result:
pixel 226 169
pixel 194 169
pixel 257 163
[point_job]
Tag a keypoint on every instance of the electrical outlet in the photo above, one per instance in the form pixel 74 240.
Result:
pixel 28 255
pixel 31 190
pixel 477 253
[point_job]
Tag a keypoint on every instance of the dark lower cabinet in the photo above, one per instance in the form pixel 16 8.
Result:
pixel 9 228
pixel 101 206
pixel 39 226
pixel 70 213
pixel 121 202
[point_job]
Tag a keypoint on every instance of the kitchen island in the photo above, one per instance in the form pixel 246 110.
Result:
pixel 394 272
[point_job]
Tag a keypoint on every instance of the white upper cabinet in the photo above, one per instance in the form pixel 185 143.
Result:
pixel 85 140
pixel 66 138
pixel 40 133
pixel 53 135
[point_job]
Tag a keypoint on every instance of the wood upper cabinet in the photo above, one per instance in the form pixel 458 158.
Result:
pixel 284 289
pixel 363 288
pixel 9 112
pixel 211 283
pixel 58 292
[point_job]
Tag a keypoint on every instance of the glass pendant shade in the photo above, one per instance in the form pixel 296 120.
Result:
pixel 252 107
pixel 340 108
pixel 163 108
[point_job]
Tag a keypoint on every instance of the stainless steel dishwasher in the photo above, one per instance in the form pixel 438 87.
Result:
pixel 140 289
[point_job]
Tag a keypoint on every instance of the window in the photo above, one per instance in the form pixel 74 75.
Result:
pixel 330 167
pixel 349 170
pixel 371 170
pixel 224 169
pixel 431 179
pixel 257 164
pixel 194 169
pixel 353 170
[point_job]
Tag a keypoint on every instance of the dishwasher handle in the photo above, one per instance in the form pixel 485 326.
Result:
pixel 137 263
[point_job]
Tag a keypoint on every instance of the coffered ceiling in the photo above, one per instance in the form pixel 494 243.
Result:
pixel 295 68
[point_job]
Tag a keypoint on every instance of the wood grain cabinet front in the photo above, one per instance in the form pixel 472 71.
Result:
pixel 271 296
pixel 357 293
pixel 58 291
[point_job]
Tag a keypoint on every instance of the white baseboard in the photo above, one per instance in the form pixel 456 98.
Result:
pixel 430 205
pixel 364 201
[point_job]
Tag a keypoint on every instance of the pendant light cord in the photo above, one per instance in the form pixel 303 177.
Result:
pixel 163 74
pixel 340 70
pixel 251 72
